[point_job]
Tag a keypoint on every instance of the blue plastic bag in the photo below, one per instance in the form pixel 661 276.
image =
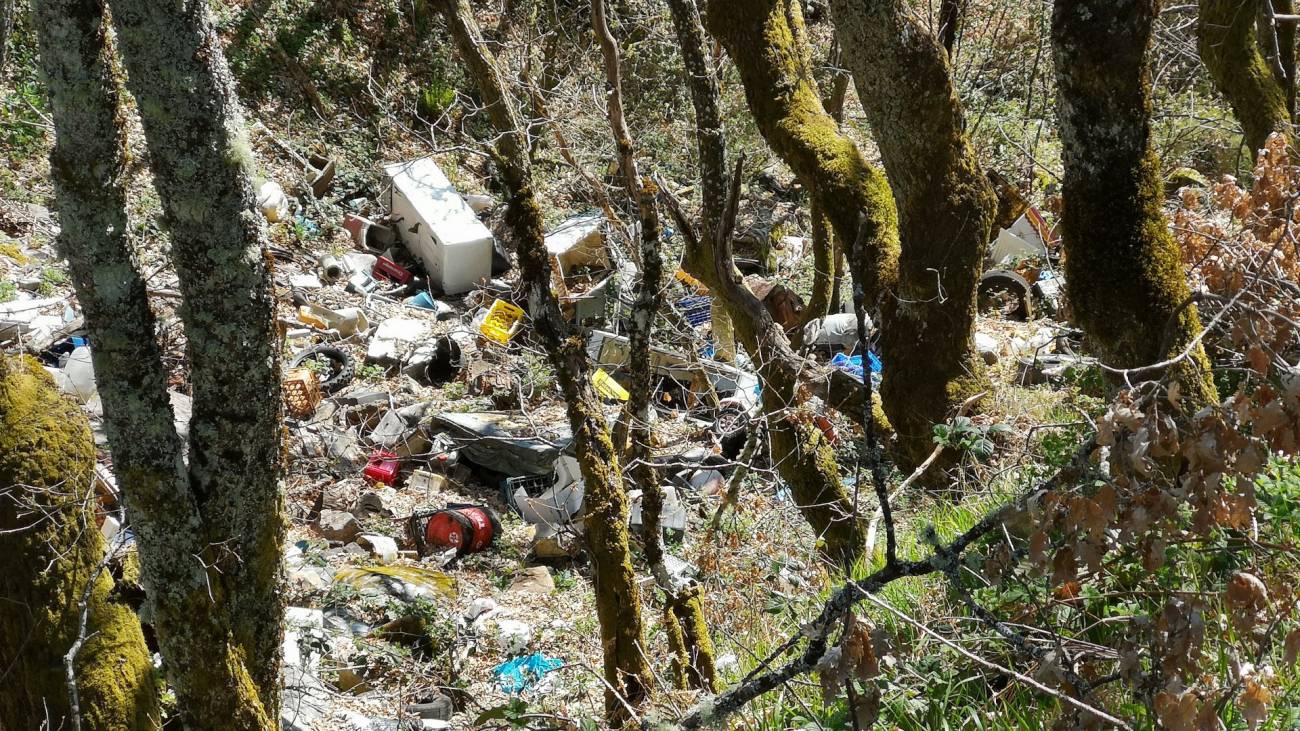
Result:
pixel 517 675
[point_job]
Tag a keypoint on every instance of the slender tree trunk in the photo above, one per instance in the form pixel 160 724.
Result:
pixel 51 573
pixel 950 12
pixel 202 168
pixel 1123 273
pixel 683 617
pixel 802 455
pixel 187 569
pixel 945 209
pixel 618 598
pixel 1230 50
pixel 1286 40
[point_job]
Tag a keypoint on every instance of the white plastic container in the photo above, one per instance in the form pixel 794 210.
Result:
pixel 438 226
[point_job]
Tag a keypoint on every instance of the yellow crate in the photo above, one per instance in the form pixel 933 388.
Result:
pixel 502 322
pixel 302 394
pixel 607 387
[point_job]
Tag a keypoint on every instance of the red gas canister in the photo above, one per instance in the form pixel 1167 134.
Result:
pixel 466 528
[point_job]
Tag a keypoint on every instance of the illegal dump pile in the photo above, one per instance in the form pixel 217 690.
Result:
pixel 436 553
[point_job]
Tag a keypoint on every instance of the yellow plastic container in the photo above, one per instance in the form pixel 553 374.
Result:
pixel 502 322
pixel 607 387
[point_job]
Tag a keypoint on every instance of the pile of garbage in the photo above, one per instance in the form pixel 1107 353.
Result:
pixel 425 432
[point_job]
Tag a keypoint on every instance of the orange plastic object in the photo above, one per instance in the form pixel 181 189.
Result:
pixel 302 394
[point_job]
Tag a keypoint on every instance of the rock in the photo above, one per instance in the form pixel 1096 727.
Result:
pixel 987 347
pixel 533 580
pixel 373 503
pixel 340 496
pixel 381 546
pixel 336 525
pixel 439 708
pixel 389 431
pixel 361 397
pixel 513 635
pixel 311 578
pixel 394 336
pixel 555 545
pixel 304 617
pixel 1184 177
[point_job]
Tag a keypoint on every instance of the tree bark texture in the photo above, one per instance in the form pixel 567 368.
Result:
pixel 202 168
pixel 803 457
pixel 190 574
pixel 1229 47
pixel 1123 272
pixel 52 552
pixel 945 208
pixel 618 598
pixel 766 41
pixel 692 648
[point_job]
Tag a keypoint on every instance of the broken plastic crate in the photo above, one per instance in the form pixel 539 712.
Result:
pixel 607 387
pixel 302 394
pixel 502 322
pixel 853 365
pixel 696 310
pixel 532 485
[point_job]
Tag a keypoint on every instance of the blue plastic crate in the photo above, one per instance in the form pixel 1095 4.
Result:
pixel 696 310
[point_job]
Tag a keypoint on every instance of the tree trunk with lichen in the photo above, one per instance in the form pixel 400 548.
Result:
pixel 945 209
pixel 1124 275
pixel 766 41
pixel 618 597
pixel 208 531
pixel 53 563
pixel 202 168
pixel 803 456
pixel 690 644
pixel 1229 47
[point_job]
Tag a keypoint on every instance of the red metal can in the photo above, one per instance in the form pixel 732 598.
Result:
pixel 382 467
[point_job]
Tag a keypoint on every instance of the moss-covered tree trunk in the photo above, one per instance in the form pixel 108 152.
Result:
pixel 1124 276
pixel 50 563
pixel 618 597
pixel 196 568
pixel 1230 49
pixel 804 458
pixel 765 39
pixel 945 208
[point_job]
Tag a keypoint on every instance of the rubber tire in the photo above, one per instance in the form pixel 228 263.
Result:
pixel 341 375
pixel 1001 281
